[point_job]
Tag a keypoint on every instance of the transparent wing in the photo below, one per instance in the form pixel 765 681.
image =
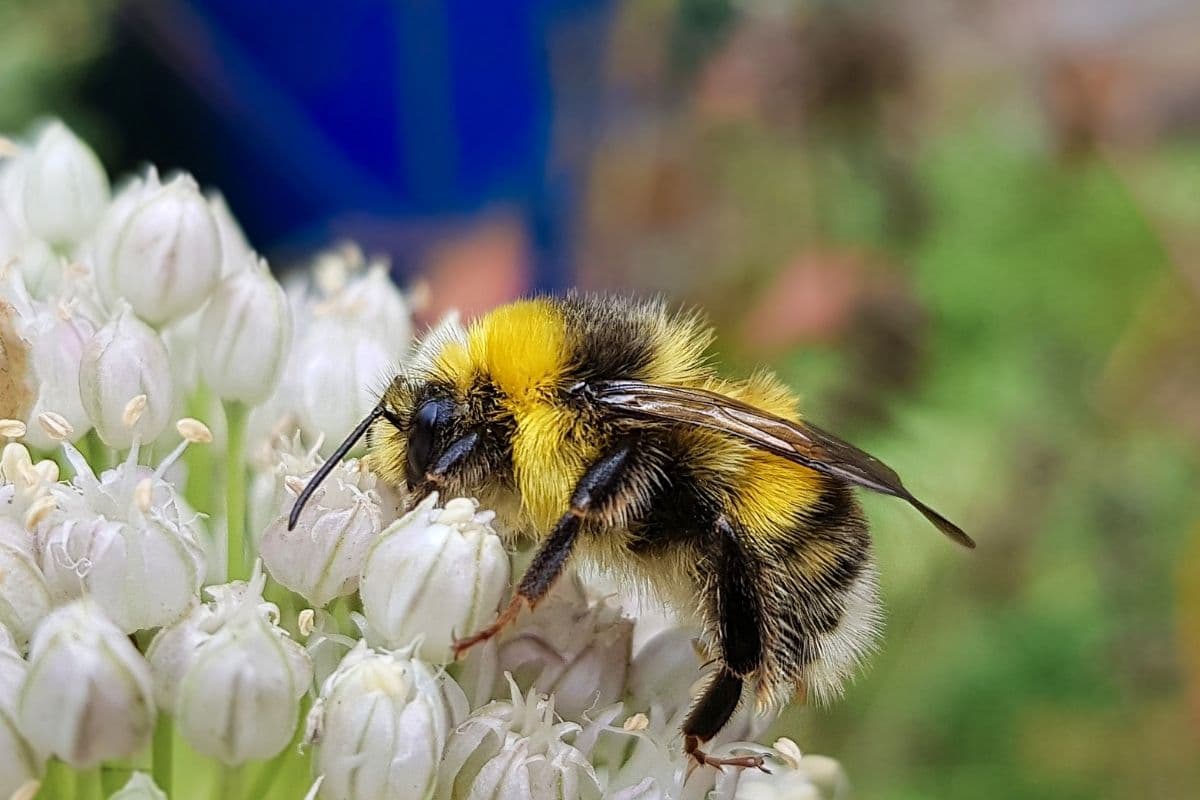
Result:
pixel 801 442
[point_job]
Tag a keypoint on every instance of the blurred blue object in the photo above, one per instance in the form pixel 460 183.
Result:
pixel 388 122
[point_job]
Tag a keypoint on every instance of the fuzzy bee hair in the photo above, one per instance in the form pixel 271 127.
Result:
pixel 596 425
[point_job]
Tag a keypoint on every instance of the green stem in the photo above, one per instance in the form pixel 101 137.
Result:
pixel 229 786
pixel 163 752
pixel 235 490
pixel 114 775
pixel 341 616
pixel 199 459
pixel 57 782
pixel 87 784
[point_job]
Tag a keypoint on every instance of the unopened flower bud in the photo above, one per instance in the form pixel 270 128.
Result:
pixel 167 258
pixel 247 332
pixel 65 187
pixel 433 574
pixel 24 596
pixel 230 675
pixel 57 338
pixel 323 556
pixel 87 697
pixel 333 366
pixel 513 751
pixel 380 725
pixel 122 360
pixel 236 253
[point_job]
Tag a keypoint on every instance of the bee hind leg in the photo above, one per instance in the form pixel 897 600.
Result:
pixel 734 603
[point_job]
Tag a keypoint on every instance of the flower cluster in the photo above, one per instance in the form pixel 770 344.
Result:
pixel 152 594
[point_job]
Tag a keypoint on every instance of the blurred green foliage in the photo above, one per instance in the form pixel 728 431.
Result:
pixel 1045 663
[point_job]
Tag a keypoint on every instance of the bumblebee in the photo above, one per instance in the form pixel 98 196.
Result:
pixel 597 425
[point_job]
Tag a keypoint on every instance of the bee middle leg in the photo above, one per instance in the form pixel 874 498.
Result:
pixel 734 601
pixel 599 487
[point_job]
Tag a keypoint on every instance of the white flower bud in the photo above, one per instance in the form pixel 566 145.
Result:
pixel 322 557
pixel 230 675
pixel 98 249
pixel 513 751
pixel 381 724
pixel 87 697
pixel 65 187
pixel 372 302
pixel 333 367
pixel 236 253
pixel 140 786
pixel 57 338
pixel 433 574
pixel 167 258
pixel 123 359
pixel 246 330
pixel 24 596
pixel 575 650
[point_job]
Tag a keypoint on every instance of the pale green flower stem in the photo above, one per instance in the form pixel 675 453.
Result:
pixel 57 782
pixel 229 785
pixel 87 784
pixel 114 775
pixel 163 752
pixel 199 460
pixel 236 415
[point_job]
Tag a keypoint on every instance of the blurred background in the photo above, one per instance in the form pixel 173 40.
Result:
pixel 968 231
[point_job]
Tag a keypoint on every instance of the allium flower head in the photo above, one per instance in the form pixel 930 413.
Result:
pixel 380 726
pixel 230 675
pixel 87 697
pixel 432 574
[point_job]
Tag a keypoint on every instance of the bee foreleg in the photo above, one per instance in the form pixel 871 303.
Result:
pixel 601 481
pixel 734 602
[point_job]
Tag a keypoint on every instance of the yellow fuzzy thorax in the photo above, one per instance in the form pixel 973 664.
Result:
pixel 524 350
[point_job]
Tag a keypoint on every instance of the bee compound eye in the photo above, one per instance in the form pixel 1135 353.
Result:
pixel 429 418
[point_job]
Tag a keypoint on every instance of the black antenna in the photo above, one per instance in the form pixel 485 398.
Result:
pixel 334 459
